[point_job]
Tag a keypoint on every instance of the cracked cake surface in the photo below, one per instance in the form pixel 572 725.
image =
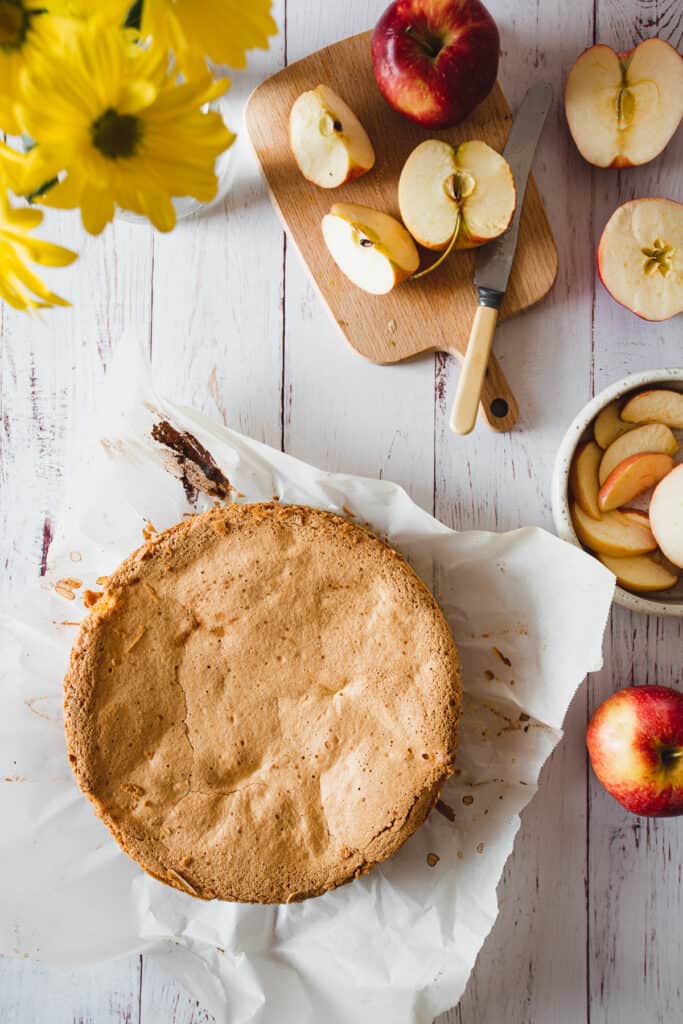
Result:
pixel 263 704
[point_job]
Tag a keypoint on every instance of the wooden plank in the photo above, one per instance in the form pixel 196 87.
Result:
pixel 103 994
pixel 533 965
pixel 634 887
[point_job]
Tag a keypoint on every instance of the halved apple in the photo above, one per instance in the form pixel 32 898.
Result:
pixel 640 257
pixel 631 477
pixel 657 406
pixel 583 478
pixel 329 143
pixel 653 437
pixel 468 192
pixel 609 425
pixel 666 515
pixel 623 108
pixel 640 572
pixel 613 534
pixel 373 249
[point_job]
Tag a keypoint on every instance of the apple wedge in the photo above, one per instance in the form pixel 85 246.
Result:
pixel 623 108
pixel 640 572
pixel 373 249
pixel 467 193
pixel 631 477
pixel 653 437
pixel 613 534
pixel 666 515
pixel 329 143
pixel 640 257
pixel 657 406
pixel 583 478
pixel 609 425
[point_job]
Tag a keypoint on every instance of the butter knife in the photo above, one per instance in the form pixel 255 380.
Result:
pixel 493 262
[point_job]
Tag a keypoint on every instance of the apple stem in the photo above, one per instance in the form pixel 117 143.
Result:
pixel 431 44
pixel 444 255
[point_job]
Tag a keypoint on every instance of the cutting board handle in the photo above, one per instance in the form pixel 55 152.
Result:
pixel 498 405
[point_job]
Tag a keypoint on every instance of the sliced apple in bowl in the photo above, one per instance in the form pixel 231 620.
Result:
pixel 613 534
pixel 632 477
pixel 640 572
pixel 623 108
pixel 609 425
pixel 463 196
pixel 373 249
pixel 329 143
pixel 653 437
pixel 666 516
pixel 655 406
pixel 583 478
pixel 640 257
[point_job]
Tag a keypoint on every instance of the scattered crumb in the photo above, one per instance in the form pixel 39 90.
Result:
pixel 69 622
pixel 444 809
pixel 467 800
pixel 91 597
pixel 275 497
pixel 499 654
pixel 489 674
pixel 71 583
pixel 102 581
pixel 433 859
pixel 523 717
pixel 460 855
pixel 76 556
pixel 480 847
pixel 64 592
pixel 148 530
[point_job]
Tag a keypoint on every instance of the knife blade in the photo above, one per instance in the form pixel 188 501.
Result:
pixel 493 262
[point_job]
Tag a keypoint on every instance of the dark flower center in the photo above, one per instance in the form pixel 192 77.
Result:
pixel 14 21
pixel 116 135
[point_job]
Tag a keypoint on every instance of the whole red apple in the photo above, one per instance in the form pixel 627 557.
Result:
pixel 635 743
pixel 435 60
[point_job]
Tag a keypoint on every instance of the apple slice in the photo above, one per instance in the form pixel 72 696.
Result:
pixel 373 249
pixel 609 425
pixel 468 192
pixel 666 515
pixel 631 477
pixel 623 108
pixel 653 437
pixel 329 143
pixel 613 534
pixel 657 406
pixel 640 572
pixel 640 257
pixel 583 478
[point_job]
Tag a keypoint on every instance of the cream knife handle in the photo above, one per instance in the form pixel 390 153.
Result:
pixel 464 414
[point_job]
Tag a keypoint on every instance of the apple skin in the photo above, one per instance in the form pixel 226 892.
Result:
pixel 435 60
pixel 635 743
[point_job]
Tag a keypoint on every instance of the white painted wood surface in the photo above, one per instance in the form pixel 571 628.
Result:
pixel 591 900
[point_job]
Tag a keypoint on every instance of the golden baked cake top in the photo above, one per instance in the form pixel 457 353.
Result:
pixel 263 704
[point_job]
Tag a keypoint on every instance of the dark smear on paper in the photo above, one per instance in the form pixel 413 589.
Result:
pixel 446 810
pixel 194 466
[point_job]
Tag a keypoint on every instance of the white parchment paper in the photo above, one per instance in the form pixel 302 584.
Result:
pixel 528 614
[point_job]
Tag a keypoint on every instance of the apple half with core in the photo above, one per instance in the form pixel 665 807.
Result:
pixel 435 60
pixel 623 108
pixel 666 515
pixel 462 196
pixel 329 143
pixel 373 249
pixel 635 743
pixel 640 257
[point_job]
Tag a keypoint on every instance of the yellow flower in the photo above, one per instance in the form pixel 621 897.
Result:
pixel 111 11
pixel 117 129
pixel 19 286
pixel 24 32
pixel 222 30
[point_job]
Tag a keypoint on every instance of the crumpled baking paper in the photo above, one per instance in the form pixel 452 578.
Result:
pixel 528 614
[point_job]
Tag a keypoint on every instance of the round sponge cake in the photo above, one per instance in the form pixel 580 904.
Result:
pixel 263 704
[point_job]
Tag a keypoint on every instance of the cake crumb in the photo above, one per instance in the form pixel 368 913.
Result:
pixel 433 859
pixel 499 654
pixel 91 597
pixel 480 847
pixel 446 810
pixel 468 800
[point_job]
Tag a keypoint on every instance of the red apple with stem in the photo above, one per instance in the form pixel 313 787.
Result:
pixel 635 743
pixel 435 60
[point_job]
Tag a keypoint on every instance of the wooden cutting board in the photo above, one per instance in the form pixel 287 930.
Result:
pixel 434 313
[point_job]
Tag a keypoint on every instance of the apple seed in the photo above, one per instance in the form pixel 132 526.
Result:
pixel 659 258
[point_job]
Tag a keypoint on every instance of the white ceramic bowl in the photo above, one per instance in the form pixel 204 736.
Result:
pixel 580 431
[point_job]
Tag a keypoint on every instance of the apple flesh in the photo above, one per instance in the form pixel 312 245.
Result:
pixel 435 60
pixel 666 515
pixel 635 744
pixel 641 572
pixel 609 425
pixel 640 257
pixel 658 406
pixel 329 143
pixel 632 477
pixel 583 478
pixel 653 437
pixel 623 108
pixel 468 191
pixel 613 534
pixel 373 249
